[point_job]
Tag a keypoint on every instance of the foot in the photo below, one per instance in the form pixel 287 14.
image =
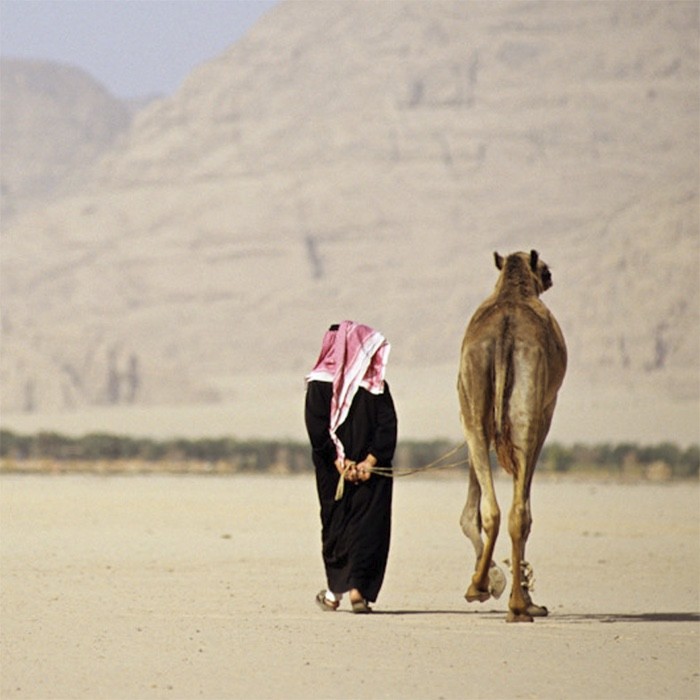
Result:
pixel 325 603
pixel 515 616
pixel 474 593
pixel 358 602
pixel 361 607
pixel 522 609
pixel 537 610
pixel 534 609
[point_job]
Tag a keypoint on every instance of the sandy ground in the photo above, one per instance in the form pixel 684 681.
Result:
pixel 203 587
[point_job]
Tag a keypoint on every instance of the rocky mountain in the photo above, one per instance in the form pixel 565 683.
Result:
pixel 363 160
pixel 56 120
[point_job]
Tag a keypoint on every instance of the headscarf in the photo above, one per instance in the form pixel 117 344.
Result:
pixel 352 356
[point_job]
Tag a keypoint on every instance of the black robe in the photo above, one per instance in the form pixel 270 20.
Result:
pixel 355 531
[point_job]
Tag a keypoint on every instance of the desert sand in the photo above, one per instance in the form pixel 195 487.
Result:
pixel 203 587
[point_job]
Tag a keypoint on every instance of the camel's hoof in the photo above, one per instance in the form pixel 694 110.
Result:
pixel 473 593
pixel 497 581
pixel 513 616
pixel 537 610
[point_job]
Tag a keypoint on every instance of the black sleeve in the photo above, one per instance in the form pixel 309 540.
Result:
pixel 384 442
pixel 317 413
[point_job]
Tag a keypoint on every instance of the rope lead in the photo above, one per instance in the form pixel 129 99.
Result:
pixel 436 464
pixel 390 472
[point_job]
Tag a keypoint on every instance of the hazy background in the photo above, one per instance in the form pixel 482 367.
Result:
pixel 193 191
pixel 135 48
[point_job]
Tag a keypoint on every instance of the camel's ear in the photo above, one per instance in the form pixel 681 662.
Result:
pixel 534 257
pixel 498 260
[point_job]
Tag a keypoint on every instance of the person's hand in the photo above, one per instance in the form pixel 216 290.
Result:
pixel 364 468
pixel 347 468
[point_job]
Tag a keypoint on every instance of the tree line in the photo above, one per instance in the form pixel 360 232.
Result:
pixel 105 452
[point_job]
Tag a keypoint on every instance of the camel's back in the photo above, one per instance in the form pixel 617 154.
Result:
pixel 524 323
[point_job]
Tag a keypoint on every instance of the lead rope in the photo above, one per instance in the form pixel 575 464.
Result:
pixel 390 472
pixel 341 482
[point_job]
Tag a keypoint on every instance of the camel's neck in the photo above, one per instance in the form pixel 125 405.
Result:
pixel 515 282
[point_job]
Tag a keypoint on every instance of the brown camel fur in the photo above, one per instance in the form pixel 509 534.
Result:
pixel 513 362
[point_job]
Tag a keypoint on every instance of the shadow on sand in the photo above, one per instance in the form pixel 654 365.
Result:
pixel 561 617
pixel 633 617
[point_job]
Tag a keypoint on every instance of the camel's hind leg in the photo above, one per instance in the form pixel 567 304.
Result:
pixel 471 527
pixel 481 512
pixel 519 522
pixel 529 443
pixel 488 514
pixel 470 521
pixel 522 608
pixel 532 608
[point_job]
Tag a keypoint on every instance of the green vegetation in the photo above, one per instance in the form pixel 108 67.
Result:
pixel 106 453
pixel 660 461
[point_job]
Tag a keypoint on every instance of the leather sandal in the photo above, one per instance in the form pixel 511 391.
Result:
pixel 360 606
pixel 325 604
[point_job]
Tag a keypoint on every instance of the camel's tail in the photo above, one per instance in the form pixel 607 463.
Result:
pixel 503 385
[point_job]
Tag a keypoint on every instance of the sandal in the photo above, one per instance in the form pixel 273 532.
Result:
pixel 325 604
pixel 360 606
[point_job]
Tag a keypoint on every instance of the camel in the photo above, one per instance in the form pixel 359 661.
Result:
pixel 512 364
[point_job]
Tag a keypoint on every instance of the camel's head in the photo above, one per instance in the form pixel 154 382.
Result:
pixel 538 269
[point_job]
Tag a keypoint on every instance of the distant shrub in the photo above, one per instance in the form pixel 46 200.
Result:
pixel 227 454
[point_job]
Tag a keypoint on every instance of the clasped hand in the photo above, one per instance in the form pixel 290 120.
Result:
pixel 354 471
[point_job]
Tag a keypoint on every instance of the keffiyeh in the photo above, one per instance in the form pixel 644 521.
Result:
pixel 352 356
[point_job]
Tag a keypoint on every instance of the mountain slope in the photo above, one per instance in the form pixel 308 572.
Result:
pixel 55 120
pixel 355 160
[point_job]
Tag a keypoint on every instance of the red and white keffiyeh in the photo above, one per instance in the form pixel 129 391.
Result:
pixel 351 357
